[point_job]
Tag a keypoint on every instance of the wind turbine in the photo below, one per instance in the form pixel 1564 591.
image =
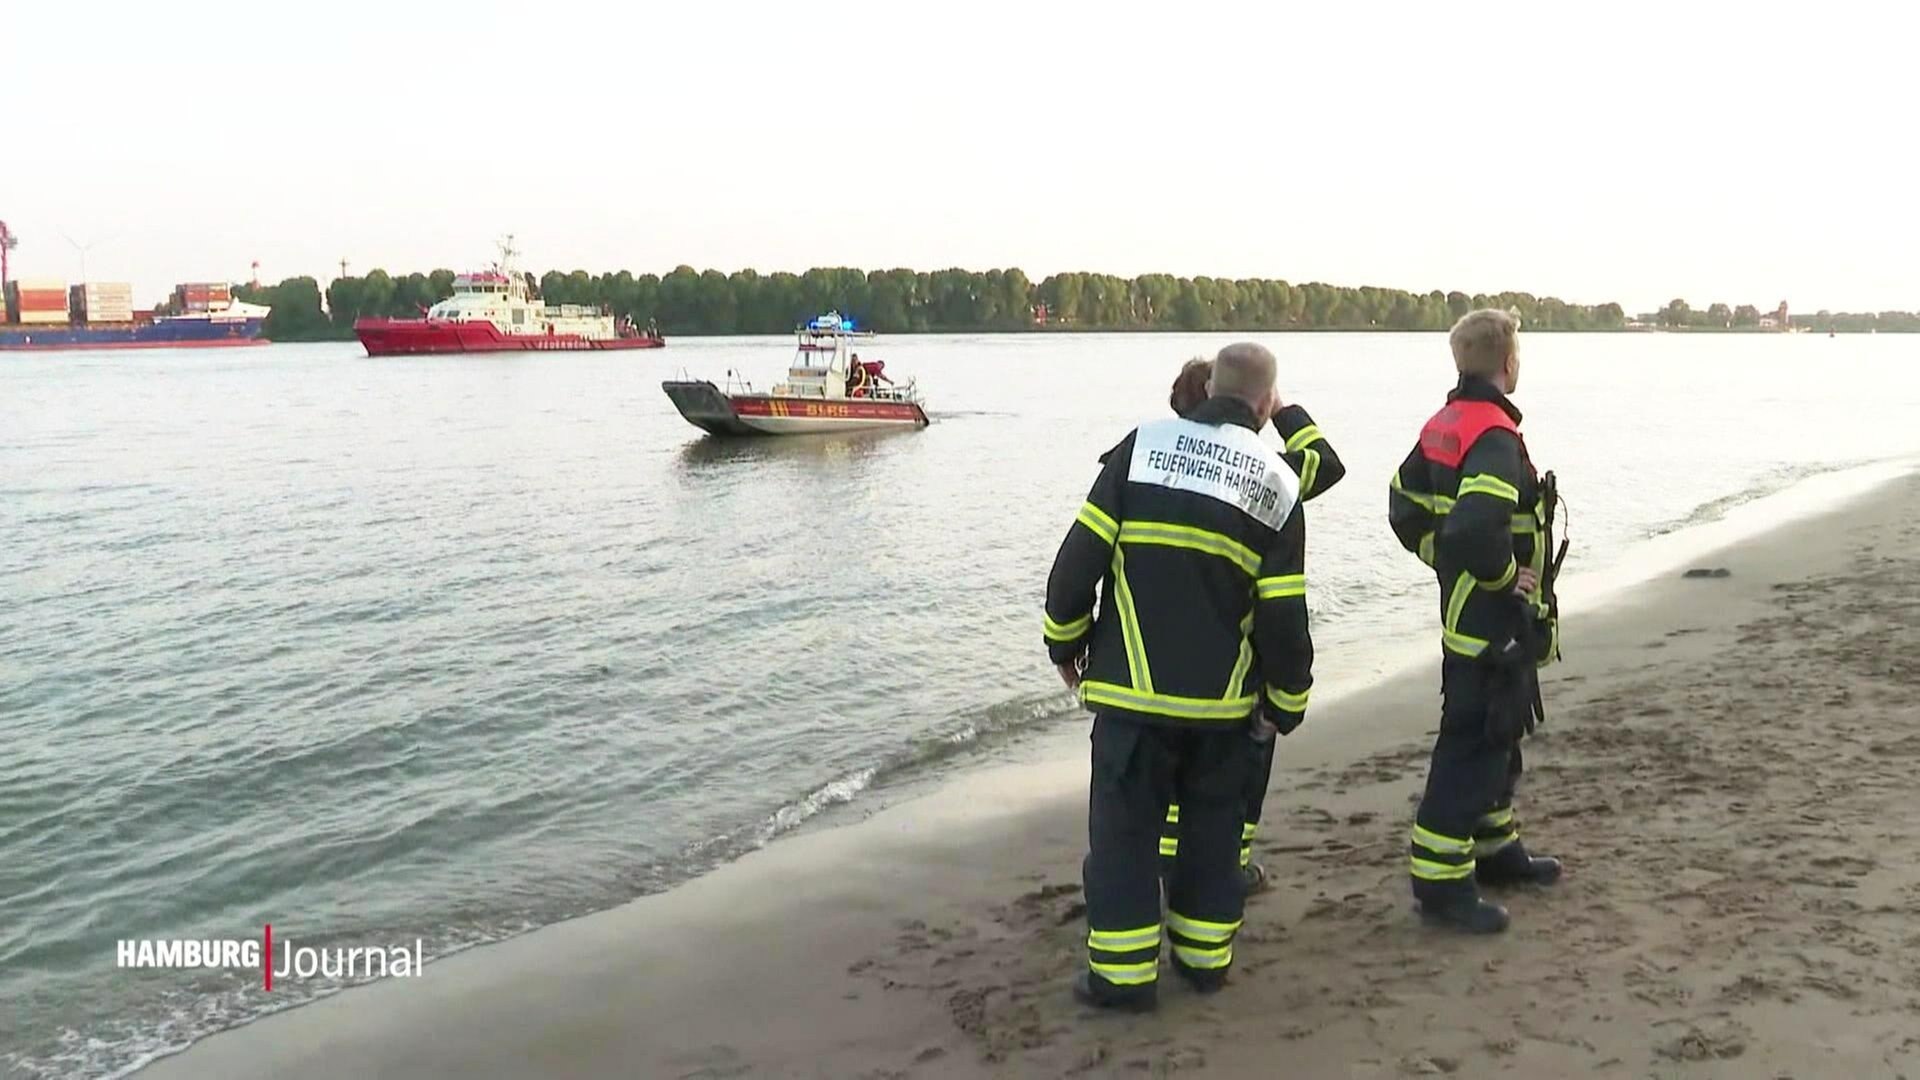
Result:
pixel 83 249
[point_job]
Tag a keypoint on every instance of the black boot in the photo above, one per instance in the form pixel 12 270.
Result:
pixel 1467 913
pixel 1254 877
pixel 1103 996
pixel 1511 865
pixel 1203 982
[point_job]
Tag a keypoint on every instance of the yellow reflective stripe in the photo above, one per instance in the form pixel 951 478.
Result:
pixel 1289 702
pixel 1457 601
pixel 1069 631
pixel 1237 679
pixel 1426 548
pixel 1097 521
pixel 1137 671
pixel 1170 846
pixel 1146 937
pixel 1246 856
pixel 1432 504
pixel 1492 845
pixel 1440 843
pixel 1246 831
pixel 1433 871
pixel 1463 644
pixel 1301 439
pixel 1179 708
pixel 1173 813
pixel 1201 929
pixel 1281 586
pixel 1505 580
pixel 1488 484
pixel 1127 974
pixel 1497 818
pixel 1168 534
pixel 1524 524
pixel 1204 959
pixel 1309 470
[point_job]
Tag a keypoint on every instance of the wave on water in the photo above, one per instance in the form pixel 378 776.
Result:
pixel 993 726
pixel 223 1001
pixel 1771 482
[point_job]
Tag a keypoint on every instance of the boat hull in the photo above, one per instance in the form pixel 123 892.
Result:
pixel 416 337
pixel 704 406
pixel 160 334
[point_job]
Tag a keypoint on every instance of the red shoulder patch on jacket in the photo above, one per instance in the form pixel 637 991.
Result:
pixel 1454 429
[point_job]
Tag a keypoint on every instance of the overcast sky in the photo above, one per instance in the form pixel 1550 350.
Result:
pixel 1621 151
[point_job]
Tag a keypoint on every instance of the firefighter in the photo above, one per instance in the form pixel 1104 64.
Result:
pixel 1467 501
pixel 1193 536
pixel 1311 457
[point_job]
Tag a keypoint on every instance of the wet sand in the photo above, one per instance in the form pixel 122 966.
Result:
pixel 1729 767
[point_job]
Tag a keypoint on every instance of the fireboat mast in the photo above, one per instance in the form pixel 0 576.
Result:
pixel 7 243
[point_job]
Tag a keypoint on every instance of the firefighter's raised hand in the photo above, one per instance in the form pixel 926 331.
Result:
pixel 1525 582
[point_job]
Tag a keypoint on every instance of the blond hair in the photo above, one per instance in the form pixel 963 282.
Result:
pixel 1483 341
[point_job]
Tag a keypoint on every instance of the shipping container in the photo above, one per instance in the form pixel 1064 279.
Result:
pixel 27 284
pixel 101 301
pixel 43 317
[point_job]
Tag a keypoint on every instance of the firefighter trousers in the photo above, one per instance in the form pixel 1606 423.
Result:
pixel 1253 796
pixel 1465 826
pixel 1137 770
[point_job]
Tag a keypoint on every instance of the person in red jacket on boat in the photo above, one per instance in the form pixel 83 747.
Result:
pixel 864 374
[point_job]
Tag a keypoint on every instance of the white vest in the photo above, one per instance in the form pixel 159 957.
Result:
pixel 1228 463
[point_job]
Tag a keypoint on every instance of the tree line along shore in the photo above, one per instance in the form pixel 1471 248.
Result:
pixel 687 301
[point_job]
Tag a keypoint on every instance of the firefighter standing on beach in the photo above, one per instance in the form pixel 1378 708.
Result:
pixel 1193 535
pixel 1468 502
pixel 1313 460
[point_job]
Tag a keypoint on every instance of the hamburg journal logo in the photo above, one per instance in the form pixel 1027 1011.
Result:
pixel 356 962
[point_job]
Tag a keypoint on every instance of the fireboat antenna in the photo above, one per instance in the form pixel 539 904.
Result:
pixel 7 243
pixel 507 254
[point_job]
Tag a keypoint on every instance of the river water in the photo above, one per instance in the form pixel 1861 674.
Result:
pixel 452 647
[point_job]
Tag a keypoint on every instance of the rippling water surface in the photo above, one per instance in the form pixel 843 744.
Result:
pixel 452 647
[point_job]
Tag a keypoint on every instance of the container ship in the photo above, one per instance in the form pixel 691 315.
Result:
pixel 496 310
pixel 48 314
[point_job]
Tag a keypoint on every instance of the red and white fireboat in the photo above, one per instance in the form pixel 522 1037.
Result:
pixel 497 311
pixel 828 388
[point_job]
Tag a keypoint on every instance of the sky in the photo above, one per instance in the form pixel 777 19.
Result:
pixel 1632 152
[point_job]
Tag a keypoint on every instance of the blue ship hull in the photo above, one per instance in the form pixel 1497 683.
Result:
pixel 165 333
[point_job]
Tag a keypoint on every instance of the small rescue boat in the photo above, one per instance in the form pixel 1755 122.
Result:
pixel 828 388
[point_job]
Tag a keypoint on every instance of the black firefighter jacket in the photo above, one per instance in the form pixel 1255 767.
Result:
pixel 1194 536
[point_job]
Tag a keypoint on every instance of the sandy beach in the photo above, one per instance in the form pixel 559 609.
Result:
pixel 1727 767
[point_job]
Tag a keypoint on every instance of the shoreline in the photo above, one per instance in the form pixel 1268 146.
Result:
pixel 1042 331
pixel 935 936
